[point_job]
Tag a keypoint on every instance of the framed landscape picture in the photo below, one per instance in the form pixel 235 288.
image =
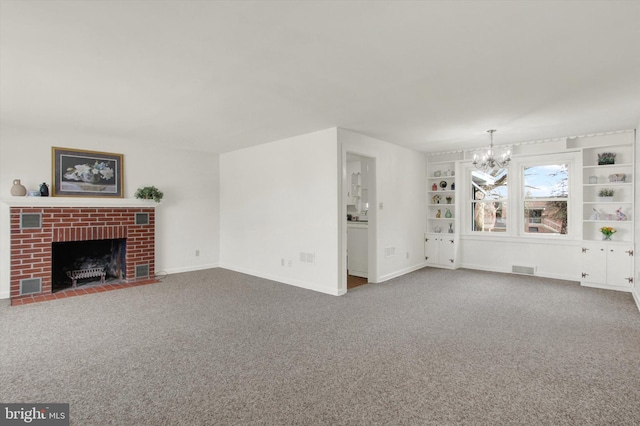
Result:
pixel 80 173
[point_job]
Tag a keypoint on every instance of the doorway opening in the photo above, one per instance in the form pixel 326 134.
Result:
pixel 359 199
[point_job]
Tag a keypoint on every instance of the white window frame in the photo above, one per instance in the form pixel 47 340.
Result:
pixel 515 197
pixel 571 159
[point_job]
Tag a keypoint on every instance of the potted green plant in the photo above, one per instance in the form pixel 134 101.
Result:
pixel 149 193
pixel 607 232
pixel 606 192
pixel 606 158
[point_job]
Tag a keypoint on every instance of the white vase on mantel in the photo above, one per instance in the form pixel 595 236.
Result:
pixel 18 190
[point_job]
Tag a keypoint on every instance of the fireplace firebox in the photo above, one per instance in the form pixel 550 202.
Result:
pixel 77 263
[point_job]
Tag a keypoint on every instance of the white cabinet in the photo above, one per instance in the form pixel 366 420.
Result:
pixel 441 238
pixel 439 250
pixel 441 197
pixel 617 177
pixel 358 250
pixel 607 265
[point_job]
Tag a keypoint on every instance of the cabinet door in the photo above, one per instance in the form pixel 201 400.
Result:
pixel 594 263
pixel 431 249
pixel 619 266
pixel 447 247
pixel 357 252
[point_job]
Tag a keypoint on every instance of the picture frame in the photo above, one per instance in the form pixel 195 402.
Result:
pixel 82 173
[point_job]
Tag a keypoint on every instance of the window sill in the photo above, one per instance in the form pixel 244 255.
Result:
pixel 556 240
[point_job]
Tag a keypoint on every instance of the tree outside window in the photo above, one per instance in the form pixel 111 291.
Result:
pixel 546 195
pixel 489 200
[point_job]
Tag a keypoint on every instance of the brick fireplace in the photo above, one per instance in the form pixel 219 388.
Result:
pixel 34 229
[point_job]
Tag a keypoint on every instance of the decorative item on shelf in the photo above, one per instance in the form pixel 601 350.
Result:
pixel 448 198
pixel 453 172
pixel 607 232
pixel 606 194
pixel 437 229
pixel 489 160
pixel 86 173
pixel 446 173
pixel 149 193
pixel 620 215
pixel 595 215
pixel 44 190
pixel 618 177
pixel 437 173
pixel 443 184
pixel 453 186
pixel 451 228
pixel 448 214
pixel 436 199
pixel 33 193
pixel 606 158
pixel 438 214
pixel 434 187
pixel 18 190
pixel 593 179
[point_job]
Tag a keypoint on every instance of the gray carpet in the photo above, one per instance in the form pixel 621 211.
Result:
pixel 432 347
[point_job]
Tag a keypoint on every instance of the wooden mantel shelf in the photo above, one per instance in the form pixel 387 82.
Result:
pixel 76 202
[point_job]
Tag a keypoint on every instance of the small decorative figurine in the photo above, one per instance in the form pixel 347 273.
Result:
pixel 438 214
pixel 448 214
pixel 595 215
pixel 436 199
pixel 44 190
pixel 620 215
pixel 434 187
pixel 451 228
pixel 453 186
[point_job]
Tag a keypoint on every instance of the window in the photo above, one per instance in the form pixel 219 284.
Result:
pixel 546 198
pixel 489 200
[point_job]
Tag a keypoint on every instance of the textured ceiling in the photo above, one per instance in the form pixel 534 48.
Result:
pixel 218 76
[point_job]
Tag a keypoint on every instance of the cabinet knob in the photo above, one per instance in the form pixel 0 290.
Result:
pixel 585 275
pixel 630 280
pixel 629 252
pixel 584 249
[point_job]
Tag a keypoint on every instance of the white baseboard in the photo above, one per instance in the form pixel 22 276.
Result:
pixel 189 268
pixel 508 271
pixel 5 295
pixel 606 287
pixel 286 280
pixel 636 298
pixel 404 271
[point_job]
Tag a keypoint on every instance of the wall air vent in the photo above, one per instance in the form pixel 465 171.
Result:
pixel 30 221
pixel 30 286
pixel 142 271
pixel 142 218
pixel 524 270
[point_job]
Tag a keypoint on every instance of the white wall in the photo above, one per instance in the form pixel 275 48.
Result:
pixel 400 186
pixel 280 199
pixel 553 258
pixel 187 219
pixel 636 210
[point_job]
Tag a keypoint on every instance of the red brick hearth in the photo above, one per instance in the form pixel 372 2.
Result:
pixel 35 229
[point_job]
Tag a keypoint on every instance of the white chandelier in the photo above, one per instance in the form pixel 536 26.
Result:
pixel 490 159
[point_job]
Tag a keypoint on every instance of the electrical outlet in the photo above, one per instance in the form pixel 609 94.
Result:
pixel 197 252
